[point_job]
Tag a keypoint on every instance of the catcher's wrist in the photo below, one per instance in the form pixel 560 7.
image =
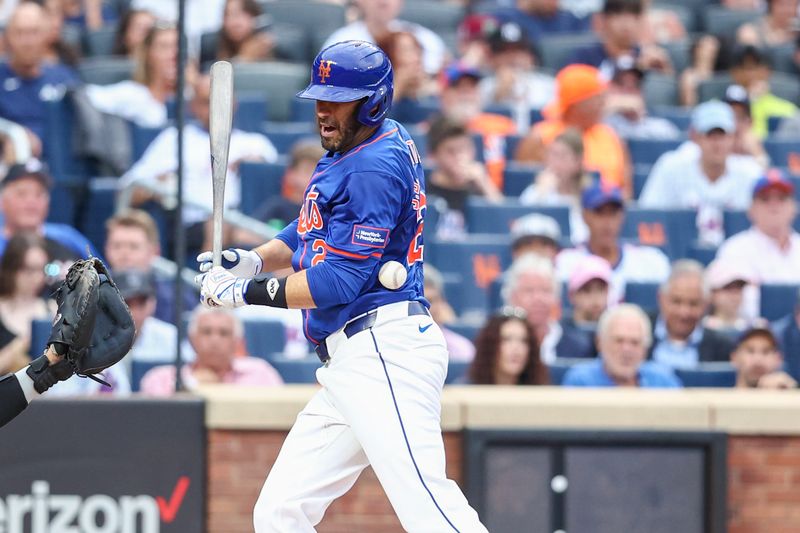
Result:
pixel 270 292
pixel 45 375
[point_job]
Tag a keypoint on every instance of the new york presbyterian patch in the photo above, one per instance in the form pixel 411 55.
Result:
pixel 369 236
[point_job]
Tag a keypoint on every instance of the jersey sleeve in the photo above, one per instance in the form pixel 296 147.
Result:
pixel 364 215
pixel 289 235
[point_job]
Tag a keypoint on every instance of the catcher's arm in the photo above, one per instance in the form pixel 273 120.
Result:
pixel 48 369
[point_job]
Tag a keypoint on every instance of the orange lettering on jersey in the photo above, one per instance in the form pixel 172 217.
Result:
pixel 324 71
pixel 486 269
pixel 310 218
pixel 652 233
pixel 419 203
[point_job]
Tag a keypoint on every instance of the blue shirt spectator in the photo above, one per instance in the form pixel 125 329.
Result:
pixel 540 17
pixel 593 374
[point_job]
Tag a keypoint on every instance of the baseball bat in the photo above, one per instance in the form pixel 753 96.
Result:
pixel 219 129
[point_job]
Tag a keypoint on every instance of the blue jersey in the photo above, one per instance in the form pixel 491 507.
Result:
pixel 362 208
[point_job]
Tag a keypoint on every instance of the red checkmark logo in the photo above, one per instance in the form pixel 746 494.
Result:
pixel 169 509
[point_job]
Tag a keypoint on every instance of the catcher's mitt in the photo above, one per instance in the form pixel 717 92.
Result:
pixel 93 328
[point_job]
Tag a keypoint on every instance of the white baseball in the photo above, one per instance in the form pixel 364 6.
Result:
pixel 392 275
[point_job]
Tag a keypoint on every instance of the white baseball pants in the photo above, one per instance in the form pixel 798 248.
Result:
pixel 379 406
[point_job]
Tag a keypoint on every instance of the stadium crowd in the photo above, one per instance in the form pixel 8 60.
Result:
pixel 612 185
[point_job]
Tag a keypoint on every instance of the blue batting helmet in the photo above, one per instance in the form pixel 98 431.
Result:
pixel 349 71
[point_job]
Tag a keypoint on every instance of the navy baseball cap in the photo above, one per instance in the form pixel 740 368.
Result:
pixel 135 283
pixel 598 195
pixel 773 179
pixel 33 168
pixel 453 72
pixel 758 331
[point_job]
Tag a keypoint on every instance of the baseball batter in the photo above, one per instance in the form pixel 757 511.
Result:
pixel 385 359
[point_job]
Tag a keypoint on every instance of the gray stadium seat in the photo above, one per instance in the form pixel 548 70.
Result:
pixel 105 70
pixel 781 84
pixel 660 90
pixel 278 81
pixel 555 50
pixel 722 21
pixel 437 16
pixel 98 43
pixel 317 19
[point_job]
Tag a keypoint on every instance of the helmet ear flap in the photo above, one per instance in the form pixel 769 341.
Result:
pixel 375 109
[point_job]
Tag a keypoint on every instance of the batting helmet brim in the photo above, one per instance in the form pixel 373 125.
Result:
pixel 328 93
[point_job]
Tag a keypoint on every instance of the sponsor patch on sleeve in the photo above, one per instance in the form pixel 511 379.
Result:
pixel 369 236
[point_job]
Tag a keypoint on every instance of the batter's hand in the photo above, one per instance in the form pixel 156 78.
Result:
pixel 220 288
pixel 241 263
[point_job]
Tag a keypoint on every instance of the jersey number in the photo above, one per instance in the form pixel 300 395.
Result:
pixel 419 204
pixel 318 247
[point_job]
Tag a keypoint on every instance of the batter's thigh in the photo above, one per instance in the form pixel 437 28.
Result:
pixel 386 383
pixel 319 461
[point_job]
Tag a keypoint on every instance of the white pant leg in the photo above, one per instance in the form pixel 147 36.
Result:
pixel 391 398
pixel 319 461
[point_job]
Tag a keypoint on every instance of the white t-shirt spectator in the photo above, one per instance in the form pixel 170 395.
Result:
pixel 160 159
pixel 433 49
pixel 130 100
pixel 762 256
pixel 155 343
pixel 638 264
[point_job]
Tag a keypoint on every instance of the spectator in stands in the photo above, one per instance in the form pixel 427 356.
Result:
pixel 278 211
pixel 514 81
pixel 787 331
pixel 759 362
pixel 506 352
pixel 155 171
pixel 623 336
pixel 411 81
pixel 562 180
pixel 662 25
pixel 626 110
pixel 770 249
pixel 459 347
pixel 244 37
pixel 579 104
pixel 143 100
pixel 535 233
pixel 604 213
pixel 25 204
pixel 727 281
pixel 473 39
pixel 22 282
pixel 542 17
pixel 132 28
pixel 703 55
pixel 711 181
pixel 201 16
pixel 216 335
pixel 751 69
pixel 58 49
pixel 379 18
pixel 777 27
pixel 461 101
pixel 681 341
pixel 619 26
pixel 588 293
pixel 27 81
pixel 531 284
pixel 745 141
pixel 133 243
pixel 457 174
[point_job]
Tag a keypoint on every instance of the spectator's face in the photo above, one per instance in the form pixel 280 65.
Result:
pixel 535 294
pixel 562 161
pixel 749 73
pixel 137 29
pixel 773 211
pixel 604 223
pixel 727 300
pixel 214 341
pixel 27 35
pixel 25 204
pixel 513 57
pixel 299 175
pixel 715 146
pixel 682 305
pixel 338 125
pixel 128 248
pixel 142 308
pixel 586 113
pixel 237 24
pixel 201 101
pixel 622 347
pixel 380 11
pixel 590 300
pixel 163 56
pixel 407 53
pixel 756 357
pixel 512 354
pixel 536 245
pixel 462 100
pixel 622 29
pixel 439 306
pixel 453 154
pixel 538 7
pixel 783 9
pixel 30 278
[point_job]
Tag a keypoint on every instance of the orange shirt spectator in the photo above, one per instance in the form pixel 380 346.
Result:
pixel 579 104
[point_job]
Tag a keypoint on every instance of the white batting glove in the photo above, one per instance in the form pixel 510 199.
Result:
pixel 240 263
pixel 220 288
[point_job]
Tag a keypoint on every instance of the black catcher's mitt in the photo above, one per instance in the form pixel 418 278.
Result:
pixel 93 328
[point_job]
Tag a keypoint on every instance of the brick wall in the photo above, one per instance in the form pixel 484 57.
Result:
pixel 763 485
pixel 239 462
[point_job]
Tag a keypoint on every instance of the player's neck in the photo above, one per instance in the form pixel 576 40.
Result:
pixel 364 133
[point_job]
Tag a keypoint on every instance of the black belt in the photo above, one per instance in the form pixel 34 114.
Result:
pixel 365 322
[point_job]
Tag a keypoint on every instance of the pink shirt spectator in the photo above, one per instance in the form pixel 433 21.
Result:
pixel 459 347
pixel 160 381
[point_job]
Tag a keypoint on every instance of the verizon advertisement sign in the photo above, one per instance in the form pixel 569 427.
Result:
pixel 104 466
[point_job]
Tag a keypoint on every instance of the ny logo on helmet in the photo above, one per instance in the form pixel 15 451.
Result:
pixel 324 70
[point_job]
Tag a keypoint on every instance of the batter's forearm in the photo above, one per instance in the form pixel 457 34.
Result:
pixel 298 293
pixel 275 255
